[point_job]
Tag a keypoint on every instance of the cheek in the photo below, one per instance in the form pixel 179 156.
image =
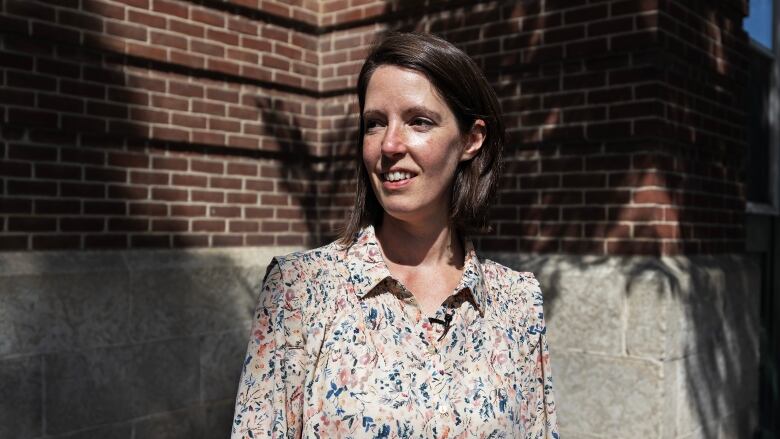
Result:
pixel 370 157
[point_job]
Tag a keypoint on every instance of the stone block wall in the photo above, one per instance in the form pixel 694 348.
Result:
pixel 144 344
pixel 652 347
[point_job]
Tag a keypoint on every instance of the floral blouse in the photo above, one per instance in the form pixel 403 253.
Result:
pixel 340 349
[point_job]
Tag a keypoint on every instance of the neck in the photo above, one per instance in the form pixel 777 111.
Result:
pixel 426 243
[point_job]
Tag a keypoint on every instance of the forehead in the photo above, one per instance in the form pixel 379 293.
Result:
pixel 393 86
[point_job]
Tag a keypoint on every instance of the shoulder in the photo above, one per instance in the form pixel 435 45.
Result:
pixel 294 265
pixel 507 279
pixel 516 292
pixel 297 278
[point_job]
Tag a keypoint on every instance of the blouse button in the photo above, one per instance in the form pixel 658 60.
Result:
pixel 444 410
pixel 431 349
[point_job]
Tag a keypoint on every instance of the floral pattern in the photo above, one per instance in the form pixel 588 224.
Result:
pixel 340 349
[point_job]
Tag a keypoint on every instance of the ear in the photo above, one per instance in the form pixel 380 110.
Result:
pixel 474 139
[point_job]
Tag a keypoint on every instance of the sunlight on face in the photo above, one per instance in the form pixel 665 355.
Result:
pixel 412 144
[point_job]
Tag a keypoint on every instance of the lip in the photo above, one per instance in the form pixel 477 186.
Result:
pixel 390 185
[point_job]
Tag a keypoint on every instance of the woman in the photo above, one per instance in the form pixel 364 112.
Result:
pixel 398 330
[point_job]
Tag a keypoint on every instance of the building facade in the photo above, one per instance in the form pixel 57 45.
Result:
pixel 157 153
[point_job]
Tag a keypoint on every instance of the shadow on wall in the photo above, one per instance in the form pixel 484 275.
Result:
pixel 321 177
pixel 131 344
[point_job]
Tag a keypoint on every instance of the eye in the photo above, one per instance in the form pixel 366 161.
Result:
pixel 371 124
pixel 422 122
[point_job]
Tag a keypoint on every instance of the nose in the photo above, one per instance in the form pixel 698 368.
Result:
pixel 393 142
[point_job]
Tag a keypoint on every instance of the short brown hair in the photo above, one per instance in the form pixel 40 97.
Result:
pixel 464 88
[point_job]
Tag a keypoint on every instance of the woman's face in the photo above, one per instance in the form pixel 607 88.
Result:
pixel 412 144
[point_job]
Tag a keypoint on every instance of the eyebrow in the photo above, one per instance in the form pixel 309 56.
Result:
pixel 414 109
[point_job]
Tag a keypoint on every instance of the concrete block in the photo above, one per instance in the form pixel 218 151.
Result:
pixel 608 396
pixel 584 299
pixel 179 302
pixel 180 424
pixel 114 431
pixel 117 384
pixel 63 311
pixel 221 357
pixel 219 419
pixel 20 397
pixel 648 298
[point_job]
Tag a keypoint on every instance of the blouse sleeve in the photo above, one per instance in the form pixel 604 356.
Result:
pixel 270 392
pixel 545 425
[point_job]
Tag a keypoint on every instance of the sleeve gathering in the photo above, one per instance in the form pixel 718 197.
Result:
pixel 270 392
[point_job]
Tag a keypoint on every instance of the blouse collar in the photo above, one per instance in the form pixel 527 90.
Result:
pixel 367 268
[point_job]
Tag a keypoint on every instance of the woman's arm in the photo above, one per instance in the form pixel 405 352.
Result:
pixel 546 419
pixel 270 393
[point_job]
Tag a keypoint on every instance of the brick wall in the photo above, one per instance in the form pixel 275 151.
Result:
pixel 172 123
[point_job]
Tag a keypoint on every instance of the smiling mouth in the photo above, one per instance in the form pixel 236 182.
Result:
pixel 397 176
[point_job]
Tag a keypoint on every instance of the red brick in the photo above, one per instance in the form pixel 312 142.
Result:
pixel 148 20
pixel 126 31
pixel 150 241
pixel 18 205
pixel 654 197
pixel 208 226
pixel 274 200
pixel 225 211
pixel 169 225
pixel 243 226
pixel 207 17
pixel 188 210
pixel 59 172
pixel 607 230
pixel 56 242
pixel 208 196
pixel 168 40
pixel 634 247
pixel 258 212
pixel 210 167
pixel 292 240
pixel 170 8
pixel 128 192
pixel 242 198
pixel 190 180
pixel 105 174
pixel 32 224
pixel 104 208
pixel 207 48
pixel 187 28
pixel 149 178
pixel 180 240
pixel 187 59
pixel 128 160
pixel 639 214
pixel 169 163
pixel 13 242
pixel 227 240
pixel 260 240
pixel 148 209
pixel 42 207
pixel 31 187
pixel 169 194
pixel 24 8
pixel 128 224
pixel 275 226
pixel 15 169
pixel 82 224
pixel 248 169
